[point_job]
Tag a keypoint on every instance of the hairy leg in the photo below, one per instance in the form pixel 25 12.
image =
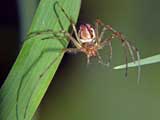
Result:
pixel 127 45
pixel 120 37
pixel 69 19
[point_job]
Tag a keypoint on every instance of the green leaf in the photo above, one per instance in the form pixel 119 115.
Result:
pixel 145 61
pixel 34 57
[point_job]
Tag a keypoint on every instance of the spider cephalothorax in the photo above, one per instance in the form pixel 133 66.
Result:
pixel 86 33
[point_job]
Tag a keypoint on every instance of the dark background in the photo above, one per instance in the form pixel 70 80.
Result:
pixel 95 92
pixel 9 32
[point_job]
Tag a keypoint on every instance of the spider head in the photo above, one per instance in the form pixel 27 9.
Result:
pixel 86 33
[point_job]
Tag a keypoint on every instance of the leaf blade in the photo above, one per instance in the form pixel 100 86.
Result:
pixel 33 58
pixel 145 61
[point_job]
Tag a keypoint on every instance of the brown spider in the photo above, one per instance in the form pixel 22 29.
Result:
pixel 89 40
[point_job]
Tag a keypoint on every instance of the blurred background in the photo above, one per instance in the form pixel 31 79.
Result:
pixel 94 92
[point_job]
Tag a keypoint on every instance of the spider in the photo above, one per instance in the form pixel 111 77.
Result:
pixel 89 40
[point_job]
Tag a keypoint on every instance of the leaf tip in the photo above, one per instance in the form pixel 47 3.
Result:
pixel 119 67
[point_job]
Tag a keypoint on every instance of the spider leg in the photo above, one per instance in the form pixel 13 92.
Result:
pixel 38 33
pixel 99 39
pixel 132 49
pixel 129 47
pixel 59 35
pixel 135 53
pixel 138 61
pixel 110 52
pixel 49 31
pixel 108 42
pixel 88 59
pixel 102 34
pixel 126 71
pixel 100 60
pixel 97 29
pixel 55 35
pixel 126 60
pixel 99 36
pixel 69 19
pixel 60 38
pixel 67 34
pixel 120 36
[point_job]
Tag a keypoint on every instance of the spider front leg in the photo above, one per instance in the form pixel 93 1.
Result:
pixel 69 19
pixel 108 42
pixel 42 32
pixel 110 53
pixel 133 52
pixel 100 60
pixel 99 36
pixel 126 44
pixel 74 50
pixel 117 34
